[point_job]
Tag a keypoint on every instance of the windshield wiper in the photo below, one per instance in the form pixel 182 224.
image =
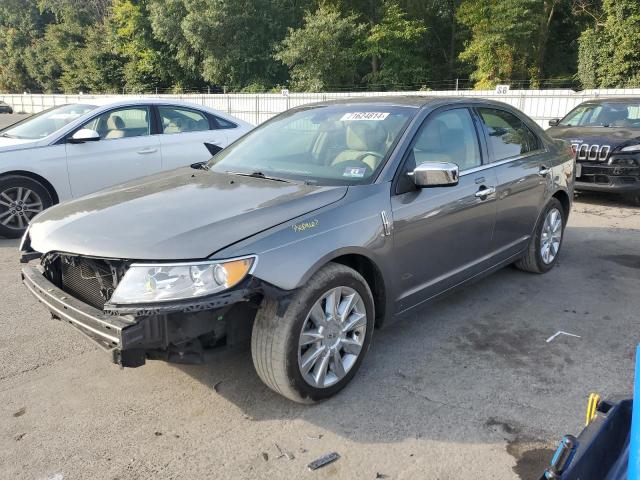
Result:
pixel 260 175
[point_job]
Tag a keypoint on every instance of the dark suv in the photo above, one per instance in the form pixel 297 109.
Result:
pixel 605 136
pixel 319 225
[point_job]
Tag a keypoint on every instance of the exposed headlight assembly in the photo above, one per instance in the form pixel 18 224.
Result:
pixel 163 282
pixel 631 148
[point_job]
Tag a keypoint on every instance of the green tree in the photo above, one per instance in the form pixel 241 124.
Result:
pixel 322 53
pixel 392 44
pixel 609 54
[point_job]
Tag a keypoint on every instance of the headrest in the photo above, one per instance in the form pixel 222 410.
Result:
pixel 115 123
pixel 366 136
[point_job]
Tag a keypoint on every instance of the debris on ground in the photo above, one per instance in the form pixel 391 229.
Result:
pixel 265 456
pixel 381 475
pixel 20 412
pixel 281 453
pixel 19 437
pixel 316 437
pixel 216 386
pixel 322 461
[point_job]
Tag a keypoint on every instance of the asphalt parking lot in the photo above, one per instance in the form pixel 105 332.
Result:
pixel 467 388
pixel 7 119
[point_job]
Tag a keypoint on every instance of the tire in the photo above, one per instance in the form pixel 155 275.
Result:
pixel 633 199
pixel 278 355
pixel 533 260
pixel 15 216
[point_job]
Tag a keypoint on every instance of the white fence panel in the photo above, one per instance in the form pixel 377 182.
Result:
pixel 541 105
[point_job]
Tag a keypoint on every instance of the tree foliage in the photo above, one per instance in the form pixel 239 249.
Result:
pixel 610 49
pixel 258 45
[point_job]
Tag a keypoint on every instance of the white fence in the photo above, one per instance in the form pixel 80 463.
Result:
pixel 541 105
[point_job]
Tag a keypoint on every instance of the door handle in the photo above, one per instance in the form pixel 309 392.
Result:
pixel 544 171
pixel 147 150
pixel 485 192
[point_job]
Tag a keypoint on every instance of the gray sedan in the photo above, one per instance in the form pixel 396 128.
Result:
pixel 303 236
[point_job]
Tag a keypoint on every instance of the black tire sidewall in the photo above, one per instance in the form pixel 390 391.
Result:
pixel 305 303
pixel 12 181
pixel 542 266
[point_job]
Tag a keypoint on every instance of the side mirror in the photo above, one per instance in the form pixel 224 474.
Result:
pixel 85 135
pixel 435 174
pixel 554 122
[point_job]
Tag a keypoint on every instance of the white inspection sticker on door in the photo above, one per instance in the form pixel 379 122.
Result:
pixel 352 116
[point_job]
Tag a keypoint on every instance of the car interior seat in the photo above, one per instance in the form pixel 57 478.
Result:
pixel 440 143
pixel 115 127
pixel 365 142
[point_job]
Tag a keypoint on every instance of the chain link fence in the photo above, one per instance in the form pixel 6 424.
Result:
pixel 541 105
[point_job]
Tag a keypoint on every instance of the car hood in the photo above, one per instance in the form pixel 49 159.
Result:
pixel 613 136
pixel 178 215
pixel 8 144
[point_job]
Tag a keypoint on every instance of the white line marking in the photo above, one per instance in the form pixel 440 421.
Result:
pixel 560 332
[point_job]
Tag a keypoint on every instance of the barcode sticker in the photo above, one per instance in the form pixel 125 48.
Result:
pixel 353 116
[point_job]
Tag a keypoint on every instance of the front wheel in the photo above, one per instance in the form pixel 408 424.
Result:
pixel 313 348
pixel 544 246
pixel 21 199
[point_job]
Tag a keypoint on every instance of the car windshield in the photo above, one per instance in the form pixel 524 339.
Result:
pixel 323 145
pixel 606 114
pixel 45 123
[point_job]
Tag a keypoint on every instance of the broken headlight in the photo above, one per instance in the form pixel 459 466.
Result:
pixel 162 282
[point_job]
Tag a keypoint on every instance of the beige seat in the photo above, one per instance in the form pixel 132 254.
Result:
pixel 365 143
pixel 115 125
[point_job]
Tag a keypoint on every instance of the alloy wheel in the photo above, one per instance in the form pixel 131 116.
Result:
pixel 551 236
pixel 332 337
pixel 18 205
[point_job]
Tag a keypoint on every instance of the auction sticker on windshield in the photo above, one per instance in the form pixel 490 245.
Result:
pixel 352 116
pixel 354 172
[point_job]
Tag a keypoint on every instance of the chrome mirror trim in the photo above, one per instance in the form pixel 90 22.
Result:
pixel 435 174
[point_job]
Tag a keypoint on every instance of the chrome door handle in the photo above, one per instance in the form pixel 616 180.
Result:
pixel 485 192
pixel 544 171
pixel 147 150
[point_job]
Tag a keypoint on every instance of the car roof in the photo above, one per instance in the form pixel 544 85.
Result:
pixel 416 101
pixel 119 100
pixel 596 101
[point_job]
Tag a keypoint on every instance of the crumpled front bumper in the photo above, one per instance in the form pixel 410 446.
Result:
pixel 116 334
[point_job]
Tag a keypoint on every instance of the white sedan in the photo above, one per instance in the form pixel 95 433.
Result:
pixel 76 149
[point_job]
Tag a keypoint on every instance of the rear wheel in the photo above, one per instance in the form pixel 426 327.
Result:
pixel 313 348
pixel 633 198
pixel 21 199
pixel 544 246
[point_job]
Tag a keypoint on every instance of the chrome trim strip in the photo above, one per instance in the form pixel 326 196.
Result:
pixel 501 162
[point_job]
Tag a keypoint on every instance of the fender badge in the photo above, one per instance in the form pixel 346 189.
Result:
pixel 301 227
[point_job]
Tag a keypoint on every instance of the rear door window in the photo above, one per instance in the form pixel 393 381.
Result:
pixel 507 135
pixel 182 120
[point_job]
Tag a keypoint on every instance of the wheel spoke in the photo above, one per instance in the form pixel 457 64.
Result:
pixel 346 306
pixel 317 316
pixel 5 203
pixel 337 366
pixel 26 194
pixel 7 220
pixel 6 197
pixel 320 372
pixel 310 336
pixel 333 300
pixel 310 358
pixel 355 321
pixel 349 345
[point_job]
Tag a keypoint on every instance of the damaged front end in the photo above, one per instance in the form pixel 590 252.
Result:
pixel 78 290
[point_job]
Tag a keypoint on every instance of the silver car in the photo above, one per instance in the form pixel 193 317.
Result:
pixel 305 235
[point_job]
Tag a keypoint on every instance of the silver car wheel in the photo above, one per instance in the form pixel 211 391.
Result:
pixel 332 337
pixel 551 236
pixel 18 205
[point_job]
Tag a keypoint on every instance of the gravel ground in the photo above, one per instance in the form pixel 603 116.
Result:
pixel 467 388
